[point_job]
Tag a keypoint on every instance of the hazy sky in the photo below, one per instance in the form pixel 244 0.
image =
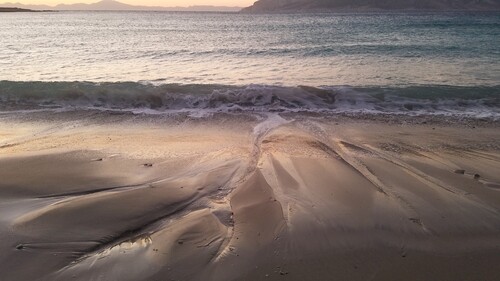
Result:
pixel 166 3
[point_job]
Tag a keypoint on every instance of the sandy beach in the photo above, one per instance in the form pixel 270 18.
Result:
pixel 100 196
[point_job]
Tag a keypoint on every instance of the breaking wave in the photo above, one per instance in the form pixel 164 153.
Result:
pixel 480 102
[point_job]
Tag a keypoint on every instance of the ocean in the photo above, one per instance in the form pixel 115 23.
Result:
pixel 164 62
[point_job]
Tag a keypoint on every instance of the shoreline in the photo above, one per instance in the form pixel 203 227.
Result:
pixel 427 120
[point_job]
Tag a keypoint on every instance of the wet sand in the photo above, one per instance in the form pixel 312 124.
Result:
pixel 100 196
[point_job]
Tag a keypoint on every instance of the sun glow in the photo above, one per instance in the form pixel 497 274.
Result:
pixel 164 3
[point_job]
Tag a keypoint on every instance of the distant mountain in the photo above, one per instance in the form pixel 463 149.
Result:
pixel 371 5
pixel 111 5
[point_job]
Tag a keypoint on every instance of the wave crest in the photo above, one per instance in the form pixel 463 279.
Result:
pixel 428 99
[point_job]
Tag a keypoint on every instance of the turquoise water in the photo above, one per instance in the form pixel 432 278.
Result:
pixel 455 56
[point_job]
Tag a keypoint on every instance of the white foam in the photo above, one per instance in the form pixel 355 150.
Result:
pixel 199 101
pixel 271 122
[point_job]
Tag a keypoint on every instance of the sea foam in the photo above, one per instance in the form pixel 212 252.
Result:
pixel 202 100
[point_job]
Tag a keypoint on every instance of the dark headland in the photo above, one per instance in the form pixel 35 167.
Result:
pixel 17 10
pixel 372 5
pixel 12 10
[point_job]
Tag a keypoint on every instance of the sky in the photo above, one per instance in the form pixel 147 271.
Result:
pixel 165 3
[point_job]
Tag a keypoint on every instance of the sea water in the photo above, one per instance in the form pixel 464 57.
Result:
pixel 387 62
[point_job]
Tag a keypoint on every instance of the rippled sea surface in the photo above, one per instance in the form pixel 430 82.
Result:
pixel 239 49
pixel 164 62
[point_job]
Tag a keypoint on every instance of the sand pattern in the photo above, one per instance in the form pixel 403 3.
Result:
pixel 98 196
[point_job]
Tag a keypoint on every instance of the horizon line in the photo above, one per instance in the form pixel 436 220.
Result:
pixel 131 5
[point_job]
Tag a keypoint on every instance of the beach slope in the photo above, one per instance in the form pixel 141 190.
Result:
pixel 100 196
